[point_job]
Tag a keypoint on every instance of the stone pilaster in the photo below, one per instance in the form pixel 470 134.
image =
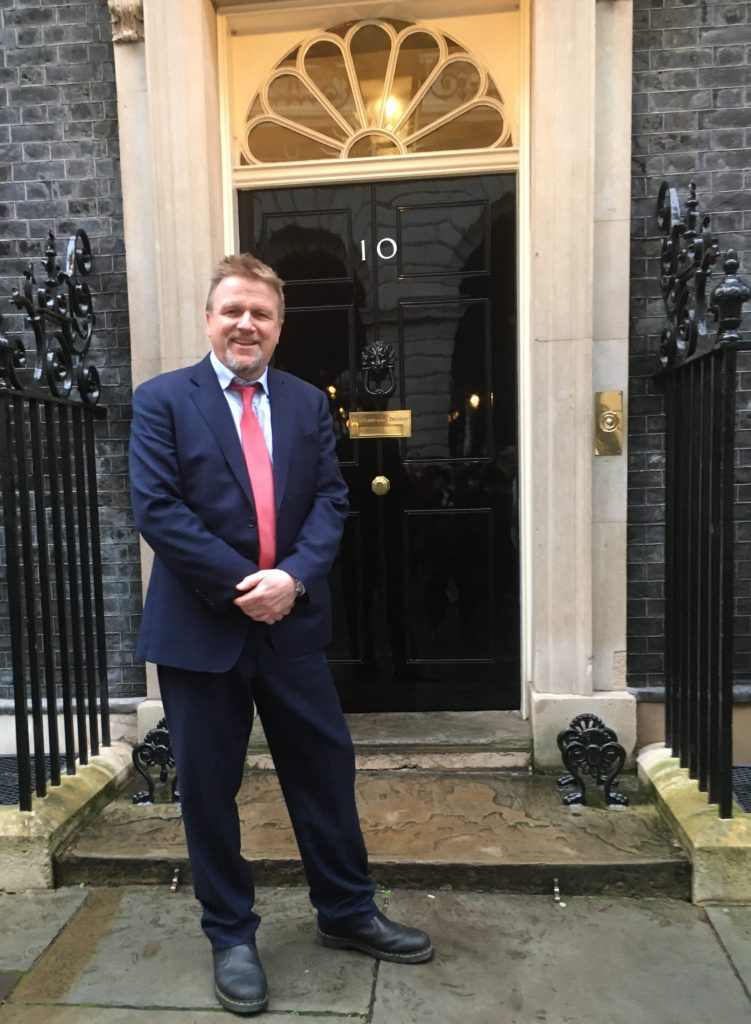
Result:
pixel 138 209
pixel 168 108
pixel 562 203
pixel 570 276
pixel 612 225
pixel 184 114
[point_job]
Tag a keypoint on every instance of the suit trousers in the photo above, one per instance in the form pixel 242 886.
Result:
pixel 210 716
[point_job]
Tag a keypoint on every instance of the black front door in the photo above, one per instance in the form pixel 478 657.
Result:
pixel 402 296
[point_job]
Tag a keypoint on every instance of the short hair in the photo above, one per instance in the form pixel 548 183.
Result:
pixel 244 264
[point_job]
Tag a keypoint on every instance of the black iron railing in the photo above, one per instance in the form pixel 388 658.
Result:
pixel 50 522
pixel 699 374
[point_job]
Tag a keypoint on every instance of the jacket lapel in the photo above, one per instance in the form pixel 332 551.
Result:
pixel 212 405
pixel 282 432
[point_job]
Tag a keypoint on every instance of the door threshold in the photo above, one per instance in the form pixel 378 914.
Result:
pixel 429 741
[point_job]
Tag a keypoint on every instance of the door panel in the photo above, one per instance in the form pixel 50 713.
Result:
pixel 439 342
pixel 451 604
pixel 426 588
pixel 454 231
pixel 321 339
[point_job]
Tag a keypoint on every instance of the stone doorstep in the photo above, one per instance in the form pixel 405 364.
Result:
pixel 719 849
pixel 666 879
pixel 419 759
pixel 30 839
pixel 498 831
pixel 475 740
pixel 429 741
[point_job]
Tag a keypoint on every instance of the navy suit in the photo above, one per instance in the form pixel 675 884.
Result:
pixel 194 506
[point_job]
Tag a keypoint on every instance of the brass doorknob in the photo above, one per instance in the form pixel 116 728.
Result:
pixel 380 485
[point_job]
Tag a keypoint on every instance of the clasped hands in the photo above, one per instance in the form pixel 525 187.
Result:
pixel 266 596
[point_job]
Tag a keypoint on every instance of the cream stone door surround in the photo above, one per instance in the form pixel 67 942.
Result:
pixel 574 130
pixel 579 201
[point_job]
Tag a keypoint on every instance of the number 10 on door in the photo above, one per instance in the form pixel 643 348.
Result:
pixel 386 249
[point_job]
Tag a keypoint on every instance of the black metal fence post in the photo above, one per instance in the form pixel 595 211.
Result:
pixel 23 747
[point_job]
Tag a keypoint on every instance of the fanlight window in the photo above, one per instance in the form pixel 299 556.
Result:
pixel 370 89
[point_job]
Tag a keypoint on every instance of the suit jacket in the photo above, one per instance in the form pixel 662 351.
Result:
pixel 194 506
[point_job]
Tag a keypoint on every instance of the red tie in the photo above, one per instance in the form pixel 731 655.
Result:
pixel 261 475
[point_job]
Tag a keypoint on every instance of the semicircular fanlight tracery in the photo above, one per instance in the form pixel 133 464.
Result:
pixel 374 88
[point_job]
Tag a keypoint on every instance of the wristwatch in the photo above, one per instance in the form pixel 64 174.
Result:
pixel 299 588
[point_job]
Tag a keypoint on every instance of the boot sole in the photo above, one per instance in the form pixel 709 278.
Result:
pixel 335 942
pixel 244 1007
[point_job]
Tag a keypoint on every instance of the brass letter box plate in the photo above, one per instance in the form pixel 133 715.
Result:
pixel 395 423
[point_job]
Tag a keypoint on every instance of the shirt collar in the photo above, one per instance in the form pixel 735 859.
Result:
pixel 225 376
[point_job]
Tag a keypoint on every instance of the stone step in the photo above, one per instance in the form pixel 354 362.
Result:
pixel 502 831
pixel 428 740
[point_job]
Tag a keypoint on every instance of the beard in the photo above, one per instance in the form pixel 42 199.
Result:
pixel 248 369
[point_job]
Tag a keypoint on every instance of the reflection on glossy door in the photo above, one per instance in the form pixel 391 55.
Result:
pixel 401 296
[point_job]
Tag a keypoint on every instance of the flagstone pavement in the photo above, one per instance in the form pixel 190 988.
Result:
pixel 132 954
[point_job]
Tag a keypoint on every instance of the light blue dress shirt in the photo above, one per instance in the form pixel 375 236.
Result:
pixel 261 405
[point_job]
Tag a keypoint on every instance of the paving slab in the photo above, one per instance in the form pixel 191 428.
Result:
pixel 126 948
pixel 302 975
pixel 30 921
pixel 8 981
pixel 527 960
pixel 142 948
pixel 115 1015
pixel 135 955
pixel 733 927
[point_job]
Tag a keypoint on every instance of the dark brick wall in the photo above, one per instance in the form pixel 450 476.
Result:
pixel 692 121
pixel 59 168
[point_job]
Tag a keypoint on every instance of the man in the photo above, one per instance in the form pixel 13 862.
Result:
pixel 237 489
